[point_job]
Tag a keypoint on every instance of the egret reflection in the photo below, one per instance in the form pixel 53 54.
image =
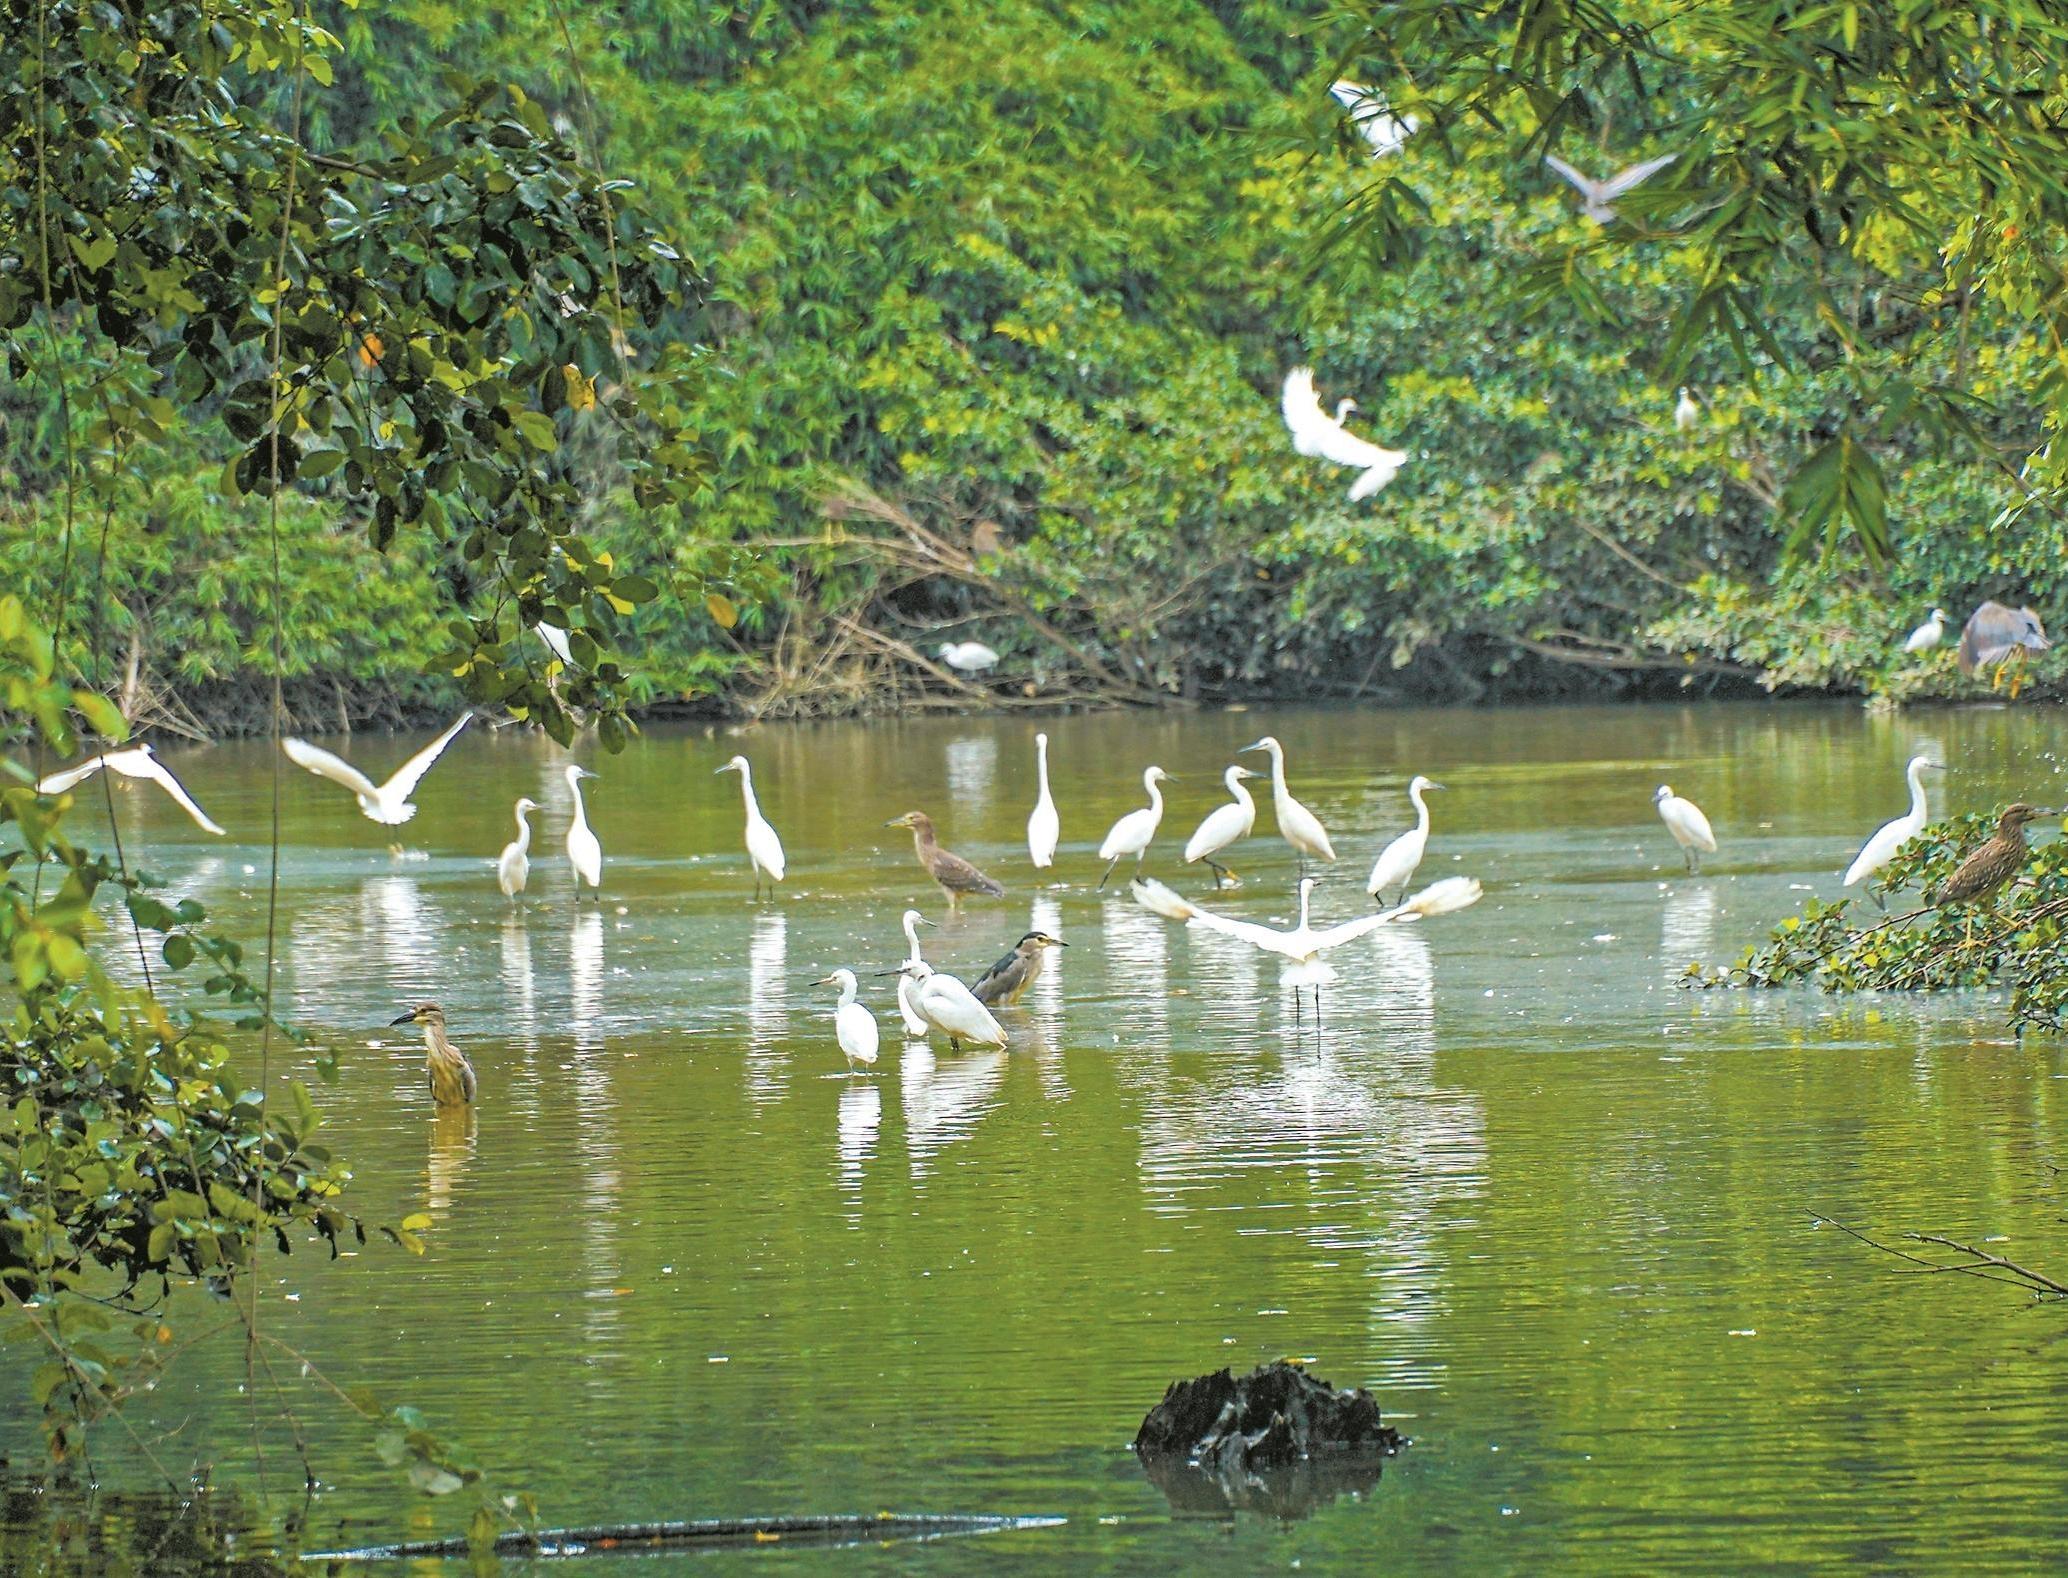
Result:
pixel 768 957
pixel 1687 926
pixel 860 1116
pixel 972 766
pixel 945 1099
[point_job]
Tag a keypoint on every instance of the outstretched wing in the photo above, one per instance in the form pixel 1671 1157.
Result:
pixel 58 783
pixel 324 765
pixel 1304 417
pixel 156 770
pixel 1585 185
pixel 1440 897
pixel 1345 448
pixel 1349 931
pixel 406 777
pixel 1153 895
pixel 1625 180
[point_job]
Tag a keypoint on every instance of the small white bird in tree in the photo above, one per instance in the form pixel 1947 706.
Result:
pixel 1686 413
pixel 1374 118
pixel 1929 634
pixel 968 657
pixel 138 761
pixel 1316 433
pixel 1598 198
pixel 1690 829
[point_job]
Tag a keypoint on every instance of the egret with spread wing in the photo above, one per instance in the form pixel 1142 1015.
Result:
pixel 388 803
pixel 138 761
pixel 1598 198
pixel 1316 433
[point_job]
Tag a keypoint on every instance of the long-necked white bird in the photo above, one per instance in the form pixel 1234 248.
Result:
pixel 1132 834
pixel 1044 827
pixel 584 848
pixel 1316 433
pixel 1879 850
pixel 1224 825
pixel 968 657
pixel 1374 118
pixel 854 1027
pixel 1398 861
pixel 513 865
pixel 1690 829
pixel 1297 825
pixel 388 803
pixel 136 761
pixel 764 849
pixel 1929 634
pixel 915 1026
pixel 1598 198
pixel 951 1007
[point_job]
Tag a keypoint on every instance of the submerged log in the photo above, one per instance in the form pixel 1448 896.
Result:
pixel 832 1529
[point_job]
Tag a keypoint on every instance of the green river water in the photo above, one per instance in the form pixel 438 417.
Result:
pixel 1553 1209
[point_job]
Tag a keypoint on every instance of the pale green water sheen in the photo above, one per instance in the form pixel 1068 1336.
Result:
pixel 1553 1209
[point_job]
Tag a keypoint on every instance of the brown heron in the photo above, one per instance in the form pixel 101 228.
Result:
pixel 955 875
pixel 1993 862
pixel 1006 980
pixel 452 1076
pixel 1994 635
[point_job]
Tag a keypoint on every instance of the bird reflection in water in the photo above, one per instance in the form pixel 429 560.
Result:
pixel 445 1163
pixel 1287 1494
pixel 1043 1003
pixel 768 955
pixel 945 1101
pixel 860 1116
pixel 972 764
pixel 1687 927
pixel 1137 958
pixel 585 981
pixel 520 997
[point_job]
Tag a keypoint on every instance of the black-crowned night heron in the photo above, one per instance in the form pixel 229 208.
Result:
pixel 1012 975
pixel 1684 820
pixel 1044 828
pixel 1995 634
pixel 1133 833
pixel 1297 825
pixel 1316 433
pixel 1399 860
pixel 388 803
pixel 584 848
pixel 955 875
pixel 452 1076
pixel 764 849
pixel 1224 825
pixel 137 761
pixel 513 865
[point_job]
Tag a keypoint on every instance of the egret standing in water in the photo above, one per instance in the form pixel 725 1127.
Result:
pixel 1132 834
pixel 388 803
pixel 915 1026
pixel 1224 825
pixel 1044 827
pixel 951 1008
pixel 764 849
pixel 138 761
pixel 955 875
pixel 1879 850
pixel 853 1025
pixel 513 866
pixel 584 848
pixel 1684 820
pixel 1297 825
pixel 1399 860
pixel 451 1075
pixel 1927 635
pixel 1012 975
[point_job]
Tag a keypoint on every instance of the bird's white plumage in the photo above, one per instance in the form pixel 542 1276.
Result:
pixel 1044 827
pixel 1374 118
pixel 1304 942
pixel 914 1024
pixel 513 866
pixel 968 657
pixel 139 762
pixel 1224 824
pixel 1399 860
pixel 1685 412
pixel 1317 434
pixel 556 642
pixel 764 848
pixel 854 1027
pixel 951 1007
pixel 1929 634
pixel 584 848
pixel 1441 897
pixel 1597 198
pixel 1131 835
pixel 388 803
pixel 1891 836
pixel 1684 820
pixel 1297 825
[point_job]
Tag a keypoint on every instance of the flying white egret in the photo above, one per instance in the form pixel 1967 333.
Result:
pixel 764 849
pixel 137 761
pixel 388 803
pixel 1297 825
pixel 1598 198
pixel 853 1025
pixel 914 1025
pixel 584 848
pixel 1879 850
pixel 513 866
pixel 1315 432
pixel 1132 834
pixel 951 1008
pixel 1043 825
pixel 1929 634
pixel 1224 825
pixel 1690 829
pixel 1397 862
pixel 1374 118
pixel 968 657
pixel 1686 413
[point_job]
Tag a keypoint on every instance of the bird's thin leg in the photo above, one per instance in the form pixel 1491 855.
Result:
pixel 1220 872
pixel 1688 854
pixel 1299 1005
pixel 1317 1008
pixel 1107 872
pixel 1880 903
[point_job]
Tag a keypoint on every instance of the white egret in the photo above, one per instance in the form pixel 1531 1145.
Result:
pixel 1043 825
pixel 1598 198
pixel 764 849
pixel 555 640
pixel 1994 634
pixel 1315 432
pixel 1297 825
pixel 1929 634
pixel 137 761
pixel 914 1025
pixel 1131 835
pixel 1224 825
pixel 968 657
pixel 1690 829
pixel 584 848
pixel 388 803
pixel 951 1008
pixel 1398 861
pixel 1879 850
pixel 1686 413
pixel 853 1025
pixel 1374 118
pixel 513 866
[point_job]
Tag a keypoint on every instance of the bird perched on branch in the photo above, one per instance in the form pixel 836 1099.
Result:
pixel 1685 412
pixel 1879 850
pixel 1598 198
pixel 955 875
pixel 1995 634
pixel 451 1075
pixel 1006 980
pixel 1994 861
pixel 1927 635
pixel 136 762
pixel 968 657
pixel 1315 432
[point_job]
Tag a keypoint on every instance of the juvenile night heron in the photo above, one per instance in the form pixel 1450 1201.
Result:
pixel 1690 829
pixel 1598 198
pixel 1133 833
pixel 854 1027
pixel 1995 634
pixel 1224 825
pixel 951 1008
pixel 1399 860
pixel 451 1075
pixel 584 848
pixel 388 803
pixel 1297 825
pixel 1994 861
pixel 513 865
pixel 1879 850
pixel 764 849
pixel 955 875
pixel 968 657
pixel 1012 975
pixel 138 761
pixel 1316 433
pixel 1044 827
pixel 1927 635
